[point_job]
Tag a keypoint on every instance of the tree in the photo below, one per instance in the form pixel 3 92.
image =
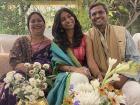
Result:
pixel 12 16
pixel 134 8
pixel 121 12
pixel 126 11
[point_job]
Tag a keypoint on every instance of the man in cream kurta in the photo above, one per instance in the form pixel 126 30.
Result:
pixel 115 42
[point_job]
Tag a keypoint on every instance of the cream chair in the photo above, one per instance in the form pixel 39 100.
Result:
pixel 4 63
pixel 136 39
pixel 6 43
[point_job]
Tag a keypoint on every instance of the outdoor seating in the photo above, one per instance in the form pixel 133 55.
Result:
pixel 6 42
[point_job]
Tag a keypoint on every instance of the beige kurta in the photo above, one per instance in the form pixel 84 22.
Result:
pixel 111 44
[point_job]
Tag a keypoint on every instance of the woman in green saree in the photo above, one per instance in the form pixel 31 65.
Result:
pixel 72 59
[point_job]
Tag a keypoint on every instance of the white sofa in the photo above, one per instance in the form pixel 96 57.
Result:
pixel 136 38
pixel 6 43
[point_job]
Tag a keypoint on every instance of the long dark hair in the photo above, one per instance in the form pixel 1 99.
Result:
pixel 59 34
pixel 30 15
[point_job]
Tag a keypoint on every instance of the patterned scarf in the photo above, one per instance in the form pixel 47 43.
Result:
pixel 105 46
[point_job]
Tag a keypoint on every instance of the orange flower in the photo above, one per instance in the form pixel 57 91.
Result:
pixel 118 92
pixel 67 101
pixel 109 87
pixel 102 91
pixel 113 101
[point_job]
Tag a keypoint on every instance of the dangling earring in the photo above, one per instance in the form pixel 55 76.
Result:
pixel 62 30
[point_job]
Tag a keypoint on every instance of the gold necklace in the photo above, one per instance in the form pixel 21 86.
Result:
pixel 36 47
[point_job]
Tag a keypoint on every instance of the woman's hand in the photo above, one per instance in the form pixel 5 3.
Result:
pixel 82 70
pixel 21 66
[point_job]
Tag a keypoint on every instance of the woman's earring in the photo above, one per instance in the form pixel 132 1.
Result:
pixel 62 30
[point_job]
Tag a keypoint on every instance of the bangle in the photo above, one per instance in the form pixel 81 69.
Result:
pixel 69 69
pixel 85 68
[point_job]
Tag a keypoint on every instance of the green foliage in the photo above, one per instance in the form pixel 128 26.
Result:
pixel 13 12
pixel 122 9
pixel 81 14
pixel 49 17
pixel 9 21
pixel 122 12
pixel 83 17
pixel 12 20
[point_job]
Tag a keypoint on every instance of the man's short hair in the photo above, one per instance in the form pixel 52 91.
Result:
pixel 98 4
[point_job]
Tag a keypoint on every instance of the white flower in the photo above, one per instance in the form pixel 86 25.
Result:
pixel 27 65
pixel 32 98
pixel 41 93
pixel 18 77
pixel 44 79
pixel 36 76
pixel 11 73
pixel 8 79
pixel 111 94
pixel 122 67
pixel 32 81
pixel 28 88
pixel 121 99
pixel 37 64
pixel 7 85
pixel 83 87
pixel 77 78
pixel 44 86
pixel 42 72
pixel 35 91
pixel 38 81
pixel 115 77
pixel 118 98
pixel 31 72
pixel 95 83
pixel 16 91
pixel 36 70
pixel 112 61
pixel 91 98
pixel 46 66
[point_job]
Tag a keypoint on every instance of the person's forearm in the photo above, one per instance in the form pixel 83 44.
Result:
pixel 90 58
pixel 20 66
pixel 67 68
pixel 94 69
pixel 81 70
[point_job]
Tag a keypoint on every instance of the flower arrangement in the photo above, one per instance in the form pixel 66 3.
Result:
pixel 130 69
pixel 29 88
pixel 102 93
pixel 94 94
pixel 82 94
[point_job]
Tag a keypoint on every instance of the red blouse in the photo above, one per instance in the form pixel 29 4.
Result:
pixel 80 52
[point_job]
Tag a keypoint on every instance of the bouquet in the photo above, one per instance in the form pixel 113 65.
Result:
pixel 102 93
pixel 94 94
pixel 28 88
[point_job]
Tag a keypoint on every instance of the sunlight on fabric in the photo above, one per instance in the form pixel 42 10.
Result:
pixel 1 49
pixel 136 38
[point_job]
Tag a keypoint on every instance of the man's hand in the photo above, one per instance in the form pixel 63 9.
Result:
pixel 100 77
pixel 119 84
